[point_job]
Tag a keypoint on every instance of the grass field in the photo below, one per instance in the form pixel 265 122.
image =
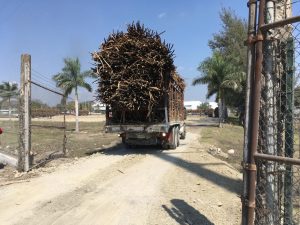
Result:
pixel 229 137
pixel 47 140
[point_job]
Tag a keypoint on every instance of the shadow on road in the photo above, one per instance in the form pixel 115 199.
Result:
pixel 202 125
pixel 183 213
pixel 117 148
pixel 230 184
pixel 199 169
pixel 203 122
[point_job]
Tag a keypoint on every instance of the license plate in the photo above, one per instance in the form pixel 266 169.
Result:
pixel 135 128
pixel 115 128
pixel 140 136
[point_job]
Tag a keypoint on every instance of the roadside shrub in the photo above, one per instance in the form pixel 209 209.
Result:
pixel 83 112
pixel 47 112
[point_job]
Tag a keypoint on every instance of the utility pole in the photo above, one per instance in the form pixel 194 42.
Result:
pixel 25 159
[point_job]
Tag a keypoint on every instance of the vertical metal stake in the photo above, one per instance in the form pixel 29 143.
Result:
pixel 250 74
pixel 289 134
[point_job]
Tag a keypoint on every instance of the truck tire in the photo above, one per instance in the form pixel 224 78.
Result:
pixel 124 140
pixel 128 146
pixel 174 141
pixel 183 134
pixel 165 146
pixel 177 136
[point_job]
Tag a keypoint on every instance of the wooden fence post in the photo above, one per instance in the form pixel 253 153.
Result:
pixel 25 159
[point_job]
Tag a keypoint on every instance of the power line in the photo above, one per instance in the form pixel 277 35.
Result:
pixel 48 80
pixel 44 84
pixel 45 80
pixel 36 73
pixel 47 87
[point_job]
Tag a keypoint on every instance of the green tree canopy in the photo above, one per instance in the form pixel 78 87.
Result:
pixel 224 72
pixel 221 78
pixel 230 39
pixel 8 90
pixel 38 104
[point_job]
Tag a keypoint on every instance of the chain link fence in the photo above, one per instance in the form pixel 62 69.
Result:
pixel 278 176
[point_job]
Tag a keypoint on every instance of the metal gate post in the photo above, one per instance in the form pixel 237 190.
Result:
pixel 255 115
pixel 252 5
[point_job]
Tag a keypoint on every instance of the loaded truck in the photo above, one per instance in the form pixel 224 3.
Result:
pixel 143 93
pixel 166 129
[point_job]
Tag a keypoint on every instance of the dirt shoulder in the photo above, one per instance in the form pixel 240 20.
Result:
pixel 200 189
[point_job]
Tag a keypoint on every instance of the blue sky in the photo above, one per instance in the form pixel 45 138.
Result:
pixel 53 30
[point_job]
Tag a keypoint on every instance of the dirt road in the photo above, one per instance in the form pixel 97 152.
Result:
pixel 126 187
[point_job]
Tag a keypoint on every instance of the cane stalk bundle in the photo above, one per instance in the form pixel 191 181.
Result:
pixel 134 69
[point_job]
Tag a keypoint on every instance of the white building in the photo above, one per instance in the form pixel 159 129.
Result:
pixel 98 106
pixel 213 105
pixel 192 105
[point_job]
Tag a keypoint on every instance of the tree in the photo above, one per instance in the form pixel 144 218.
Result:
pixel 220 77
pixel 70 106
pixel 230 43
pixel 8 90
pixel 204 106
pixel 230 40
pixel 38 104
pixel 87 105
pixel 70 79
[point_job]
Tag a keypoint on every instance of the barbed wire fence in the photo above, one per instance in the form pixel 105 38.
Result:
pixel 48 119
pixel 37 122
pixel 272 166
pixel 32 120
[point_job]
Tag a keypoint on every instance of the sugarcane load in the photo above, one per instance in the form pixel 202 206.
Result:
pixel 137 79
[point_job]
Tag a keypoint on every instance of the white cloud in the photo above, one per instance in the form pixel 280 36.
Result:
pixel 162 15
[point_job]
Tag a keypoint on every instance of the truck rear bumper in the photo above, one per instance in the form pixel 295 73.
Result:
pixel 153 128
pixel 137 128
pixel 155 134
pixel 142 138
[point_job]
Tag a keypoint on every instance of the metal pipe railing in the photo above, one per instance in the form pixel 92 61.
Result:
pixel 255 114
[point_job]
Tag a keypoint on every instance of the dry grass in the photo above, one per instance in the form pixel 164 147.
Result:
pixel 45 141
pixel 229 137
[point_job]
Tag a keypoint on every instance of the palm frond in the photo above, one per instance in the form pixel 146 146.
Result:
pixel 71 78
pixel 86 86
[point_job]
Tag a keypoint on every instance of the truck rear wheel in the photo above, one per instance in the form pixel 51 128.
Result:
pixel 177 136
pixel 182 135
pixel 174 142
pixel 165 146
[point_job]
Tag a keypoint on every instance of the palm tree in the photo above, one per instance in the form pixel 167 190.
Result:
pixel 8 90
pixel 220 76
pixel 70 79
